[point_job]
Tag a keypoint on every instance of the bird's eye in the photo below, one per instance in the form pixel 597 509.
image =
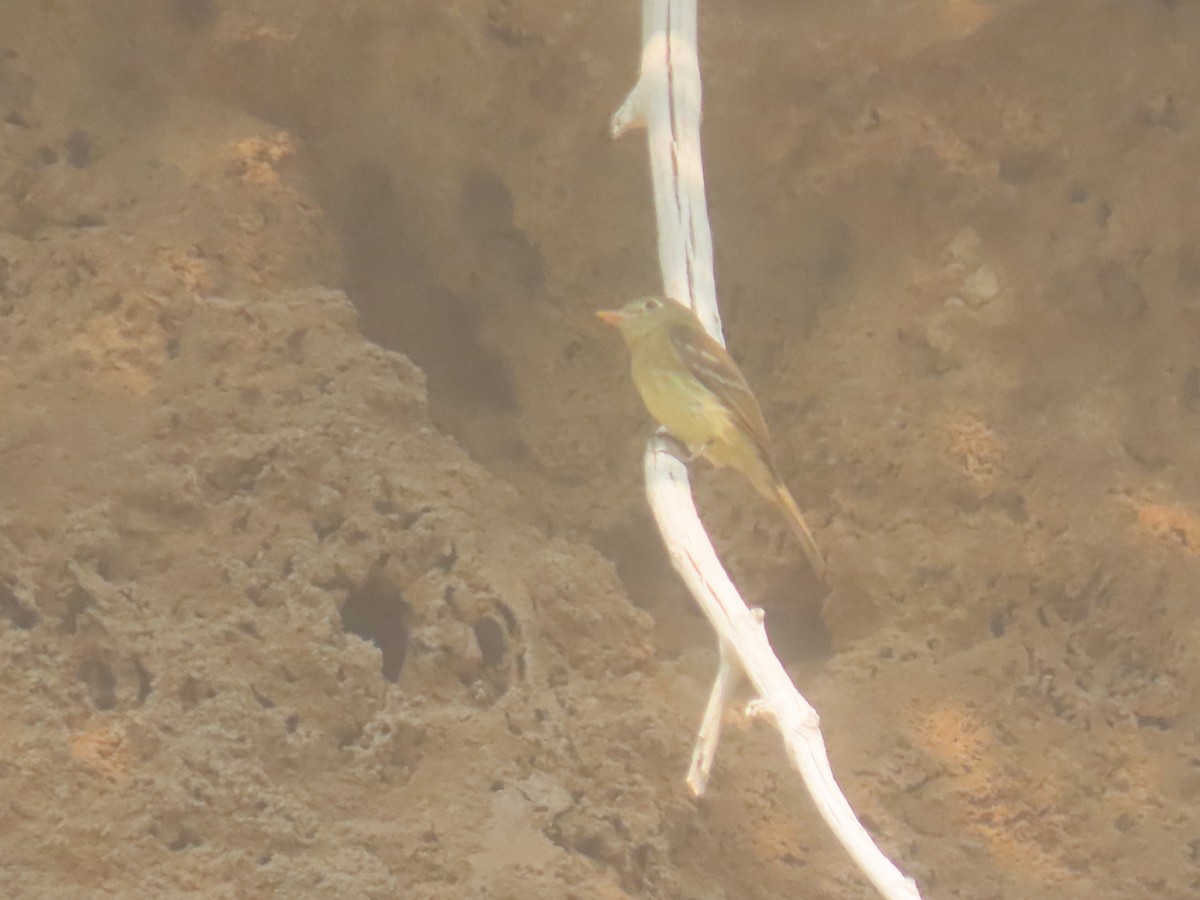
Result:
pixel 650 303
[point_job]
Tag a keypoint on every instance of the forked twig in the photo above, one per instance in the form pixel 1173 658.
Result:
pixel 666 101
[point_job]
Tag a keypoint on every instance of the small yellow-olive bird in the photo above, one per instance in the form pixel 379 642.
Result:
pixel 692 386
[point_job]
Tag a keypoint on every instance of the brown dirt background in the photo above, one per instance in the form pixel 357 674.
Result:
pixel 324 565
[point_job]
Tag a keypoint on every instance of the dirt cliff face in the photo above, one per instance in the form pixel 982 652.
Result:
pixel 324 565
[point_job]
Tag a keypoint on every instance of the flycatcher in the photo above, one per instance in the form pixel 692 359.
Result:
pixel 692 386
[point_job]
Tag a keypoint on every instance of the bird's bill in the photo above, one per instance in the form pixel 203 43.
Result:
pixel 612 316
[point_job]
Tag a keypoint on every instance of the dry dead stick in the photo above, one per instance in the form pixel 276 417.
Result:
pixel 666 101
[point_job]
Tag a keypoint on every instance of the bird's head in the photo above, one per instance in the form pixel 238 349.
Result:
pixel 641 316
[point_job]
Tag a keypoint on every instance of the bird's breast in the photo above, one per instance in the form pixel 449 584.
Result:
pixel 678 402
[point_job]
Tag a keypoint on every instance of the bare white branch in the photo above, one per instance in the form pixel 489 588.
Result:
pixel 705 751
pixel 666 101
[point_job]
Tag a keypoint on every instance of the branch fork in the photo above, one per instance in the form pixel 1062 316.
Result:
pixel 666 102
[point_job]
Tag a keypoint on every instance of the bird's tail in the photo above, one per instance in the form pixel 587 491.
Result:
pixel 800 527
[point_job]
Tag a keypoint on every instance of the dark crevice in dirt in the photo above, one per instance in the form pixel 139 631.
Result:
pixel 13 610
pixel 377 612
pixel 101 683
pixel 491 640
pixel 401 306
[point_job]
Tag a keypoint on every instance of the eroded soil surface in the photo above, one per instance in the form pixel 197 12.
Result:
pixel 324 565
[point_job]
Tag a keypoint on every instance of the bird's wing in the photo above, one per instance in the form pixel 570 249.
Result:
pixel 714 368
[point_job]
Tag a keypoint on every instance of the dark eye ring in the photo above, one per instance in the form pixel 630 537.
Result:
pixel 651 303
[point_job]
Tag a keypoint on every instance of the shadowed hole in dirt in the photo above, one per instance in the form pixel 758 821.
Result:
pixel 401 306
pixel 79 148
pixel 11 609
pixel 513 265
pixel 76 601
pixel 183 840
pixel 145 682
pixel 510 618
pixel 233 475
pixel 635 548
pixel 490 637
pixel 1161 723
pixel 101 683
pixel 193 691
pixel 606 841
pixel 377 612
pixel 798 632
